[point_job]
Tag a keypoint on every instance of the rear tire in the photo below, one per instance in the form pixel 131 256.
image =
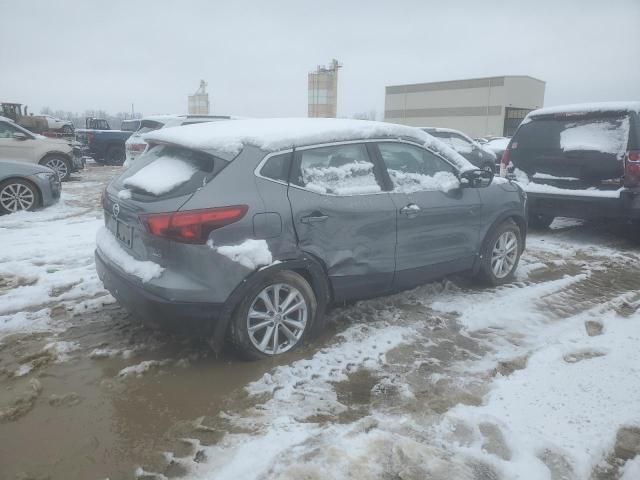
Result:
pixel 115 156
pixel 266 324
pixel 540 222
pixel 17 194
pixel 501 254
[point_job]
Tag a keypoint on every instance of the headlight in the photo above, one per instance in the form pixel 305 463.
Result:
pixel 46 175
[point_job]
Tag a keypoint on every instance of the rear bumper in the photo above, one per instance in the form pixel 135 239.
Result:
pixel 150 306
pixel 626 207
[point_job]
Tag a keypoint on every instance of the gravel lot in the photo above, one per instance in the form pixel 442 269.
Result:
pixel 537 379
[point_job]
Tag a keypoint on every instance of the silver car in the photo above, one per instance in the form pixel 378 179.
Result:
pixel 27 187
pixel 255 227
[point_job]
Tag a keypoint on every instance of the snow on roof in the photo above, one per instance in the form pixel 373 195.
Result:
pixel 588 107
pixel 272 134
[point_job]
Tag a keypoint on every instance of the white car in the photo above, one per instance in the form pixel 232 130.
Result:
pixel 19 144
pixel 56 124
pixel 135 145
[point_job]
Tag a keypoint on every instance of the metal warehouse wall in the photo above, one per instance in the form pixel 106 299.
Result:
pixel 474 106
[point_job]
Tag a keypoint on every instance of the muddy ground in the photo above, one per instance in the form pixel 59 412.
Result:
pixel 71 408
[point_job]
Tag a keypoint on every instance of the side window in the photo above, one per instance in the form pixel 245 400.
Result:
pixel 338 170
pixel 277 167
pixel 7 130
pixel 413 168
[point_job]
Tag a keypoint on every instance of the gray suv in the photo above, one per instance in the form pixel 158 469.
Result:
pixel 257 226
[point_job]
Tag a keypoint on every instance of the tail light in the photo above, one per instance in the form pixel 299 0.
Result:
pixel 192 226
pixel 136 147
pixel 504 163
pixel 632 169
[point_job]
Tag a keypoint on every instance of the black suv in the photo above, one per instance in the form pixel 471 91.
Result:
pixel 580 161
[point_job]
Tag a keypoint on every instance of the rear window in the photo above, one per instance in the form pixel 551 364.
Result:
pixel 168 171
pixel 602 133
pixel 149 126
pixel 129 125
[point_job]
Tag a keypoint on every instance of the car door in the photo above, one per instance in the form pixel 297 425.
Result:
pixel 12 148
pixel 438 221
pixel 343 217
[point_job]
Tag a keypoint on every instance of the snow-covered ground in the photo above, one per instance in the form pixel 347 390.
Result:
pixel 539 379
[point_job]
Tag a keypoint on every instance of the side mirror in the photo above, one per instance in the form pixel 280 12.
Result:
pixel 20 136
pixel 476 178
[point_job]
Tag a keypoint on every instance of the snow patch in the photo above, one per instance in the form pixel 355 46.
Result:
pixel 124 194
pixel 279 133
pixel 109 246
pixel 600 136
pixel 162 175
pixel 250 253
pixel 413 182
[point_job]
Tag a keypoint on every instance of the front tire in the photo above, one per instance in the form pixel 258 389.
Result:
pixel 501 254
pixel 58 164
pixel 16 195
pixel 274 317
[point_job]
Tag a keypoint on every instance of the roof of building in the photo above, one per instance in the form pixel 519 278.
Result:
pixel 456 84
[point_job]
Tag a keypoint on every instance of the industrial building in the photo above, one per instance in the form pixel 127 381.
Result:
pixel 323 91
pixel 478 106
pixel 199 101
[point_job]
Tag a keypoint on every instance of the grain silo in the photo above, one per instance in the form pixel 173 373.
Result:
pixel 323 91
pixel 199 101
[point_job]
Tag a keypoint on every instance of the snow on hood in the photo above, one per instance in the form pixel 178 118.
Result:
pixel 587 108
pixel 279 133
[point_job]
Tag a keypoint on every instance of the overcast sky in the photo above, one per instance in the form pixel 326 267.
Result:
pixel 79 55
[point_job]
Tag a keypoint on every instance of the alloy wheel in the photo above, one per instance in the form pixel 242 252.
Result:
pixel 59 166
pixel 277 319
pixel 17 196
pixel 504 254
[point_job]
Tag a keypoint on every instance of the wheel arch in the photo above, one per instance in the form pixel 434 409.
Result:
pixel 307 266
pixel 55 153
pixel 513 215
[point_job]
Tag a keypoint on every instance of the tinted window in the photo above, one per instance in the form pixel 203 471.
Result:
pixel 129 125
pixel 412 168
pixel 607 134
pixel 339 170
pixel 277 167
pixel 191 169
pixel 149 126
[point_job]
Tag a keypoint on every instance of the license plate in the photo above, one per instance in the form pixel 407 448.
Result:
pixel 124 233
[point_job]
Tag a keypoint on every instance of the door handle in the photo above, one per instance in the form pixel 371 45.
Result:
pixel 314 218
pixel 410 210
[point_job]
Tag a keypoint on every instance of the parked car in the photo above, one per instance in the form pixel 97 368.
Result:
pixel 470 149
pixel 497 145
pixel 18 143
pixel 101 143
pixel 135 145
pixel 26 187
pixel 56 124
pixel 261 224
pixel 579 161
pixel 130 125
